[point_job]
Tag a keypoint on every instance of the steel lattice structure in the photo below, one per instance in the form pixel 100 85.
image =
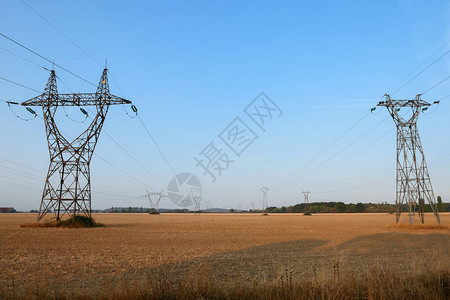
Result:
pixel 67 188
pixel 264 190
pixel 413 179
pixel 306 196
pixel 197 197
pixel 154 204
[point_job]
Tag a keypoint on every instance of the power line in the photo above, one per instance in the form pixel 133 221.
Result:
pixel 289 184
pixel 435 61
pixel 26 59
pixel 18 186
pixel 156 144
pixel 18 84
pixel 324 151
pixel 46 59
pixel 418 67
pixel 60 32
pixel 352 154
pixel 134 158
pixel 74 43
pixel 443 80
pixel 16 172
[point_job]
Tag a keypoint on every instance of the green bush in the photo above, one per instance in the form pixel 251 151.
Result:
pixel 78 221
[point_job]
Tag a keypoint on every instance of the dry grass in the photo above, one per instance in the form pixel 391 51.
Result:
pixel 225 256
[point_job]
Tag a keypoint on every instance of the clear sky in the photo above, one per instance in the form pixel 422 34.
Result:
pixel 192 67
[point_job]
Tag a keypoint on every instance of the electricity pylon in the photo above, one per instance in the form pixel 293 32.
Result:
pixel 264 190
pixel 306 196
pixel 197 197
pixel 413 180
pixel 67 189
pixel 154 203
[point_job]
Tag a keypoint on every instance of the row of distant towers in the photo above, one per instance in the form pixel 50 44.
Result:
pixel 67 188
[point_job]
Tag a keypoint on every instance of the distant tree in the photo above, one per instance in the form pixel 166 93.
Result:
pixel 298 208
pixel 360 207
pixel 325 209
pixel 352 208
pixel 341 207
pixel 371 209
pixel 231 210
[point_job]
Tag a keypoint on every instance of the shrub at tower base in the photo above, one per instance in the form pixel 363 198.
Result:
pixel 77 221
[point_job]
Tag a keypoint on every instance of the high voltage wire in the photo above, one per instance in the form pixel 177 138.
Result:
pixel 418 67
pixel 135 159
pixel 15 171
pixel 441 162
pixel 443 80
pixel 21 187
pixel 380 180
pixel 46 59
pixel 290 185
pixel 329 147
pixel 60 32
pixel 19 84
pixel 337 153
pixel 156 144
pixel 22 180
pixel 26 59
pixel 417 75
pixel 74 43
pixel 20 165
pixel 352 154
pixel 147 168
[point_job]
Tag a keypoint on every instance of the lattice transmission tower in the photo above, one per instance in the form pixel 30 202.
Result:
pixel 264 190
pixel 306 196
pixel 67 189
pixel 413 180
pixel 154 198
pixel 197 197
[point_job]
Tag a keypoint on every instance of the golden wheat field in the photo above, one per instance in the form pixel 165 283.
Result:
pixel 191 256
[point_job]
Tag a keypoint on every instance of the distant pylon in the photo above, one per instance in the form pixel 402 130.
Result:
pixel 306 196
pixel 413 180
pixel 67 188
pixel 154 199
pixel 197 197
pixel 264 190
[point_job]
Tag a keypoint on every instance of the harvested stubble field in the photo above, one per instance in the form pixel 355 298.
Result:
pixel 190 256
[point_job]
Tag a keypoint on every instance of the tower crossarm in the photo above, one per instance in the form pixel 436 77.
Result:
pixel 390 103
pixel 411 109
pixel 76 99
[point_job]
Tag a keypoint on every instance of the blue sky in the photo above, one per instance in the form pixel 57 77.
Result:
pixel 191 67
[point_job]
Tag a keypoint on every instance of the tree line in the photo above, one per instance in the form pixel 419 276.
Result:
pixel 341 207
